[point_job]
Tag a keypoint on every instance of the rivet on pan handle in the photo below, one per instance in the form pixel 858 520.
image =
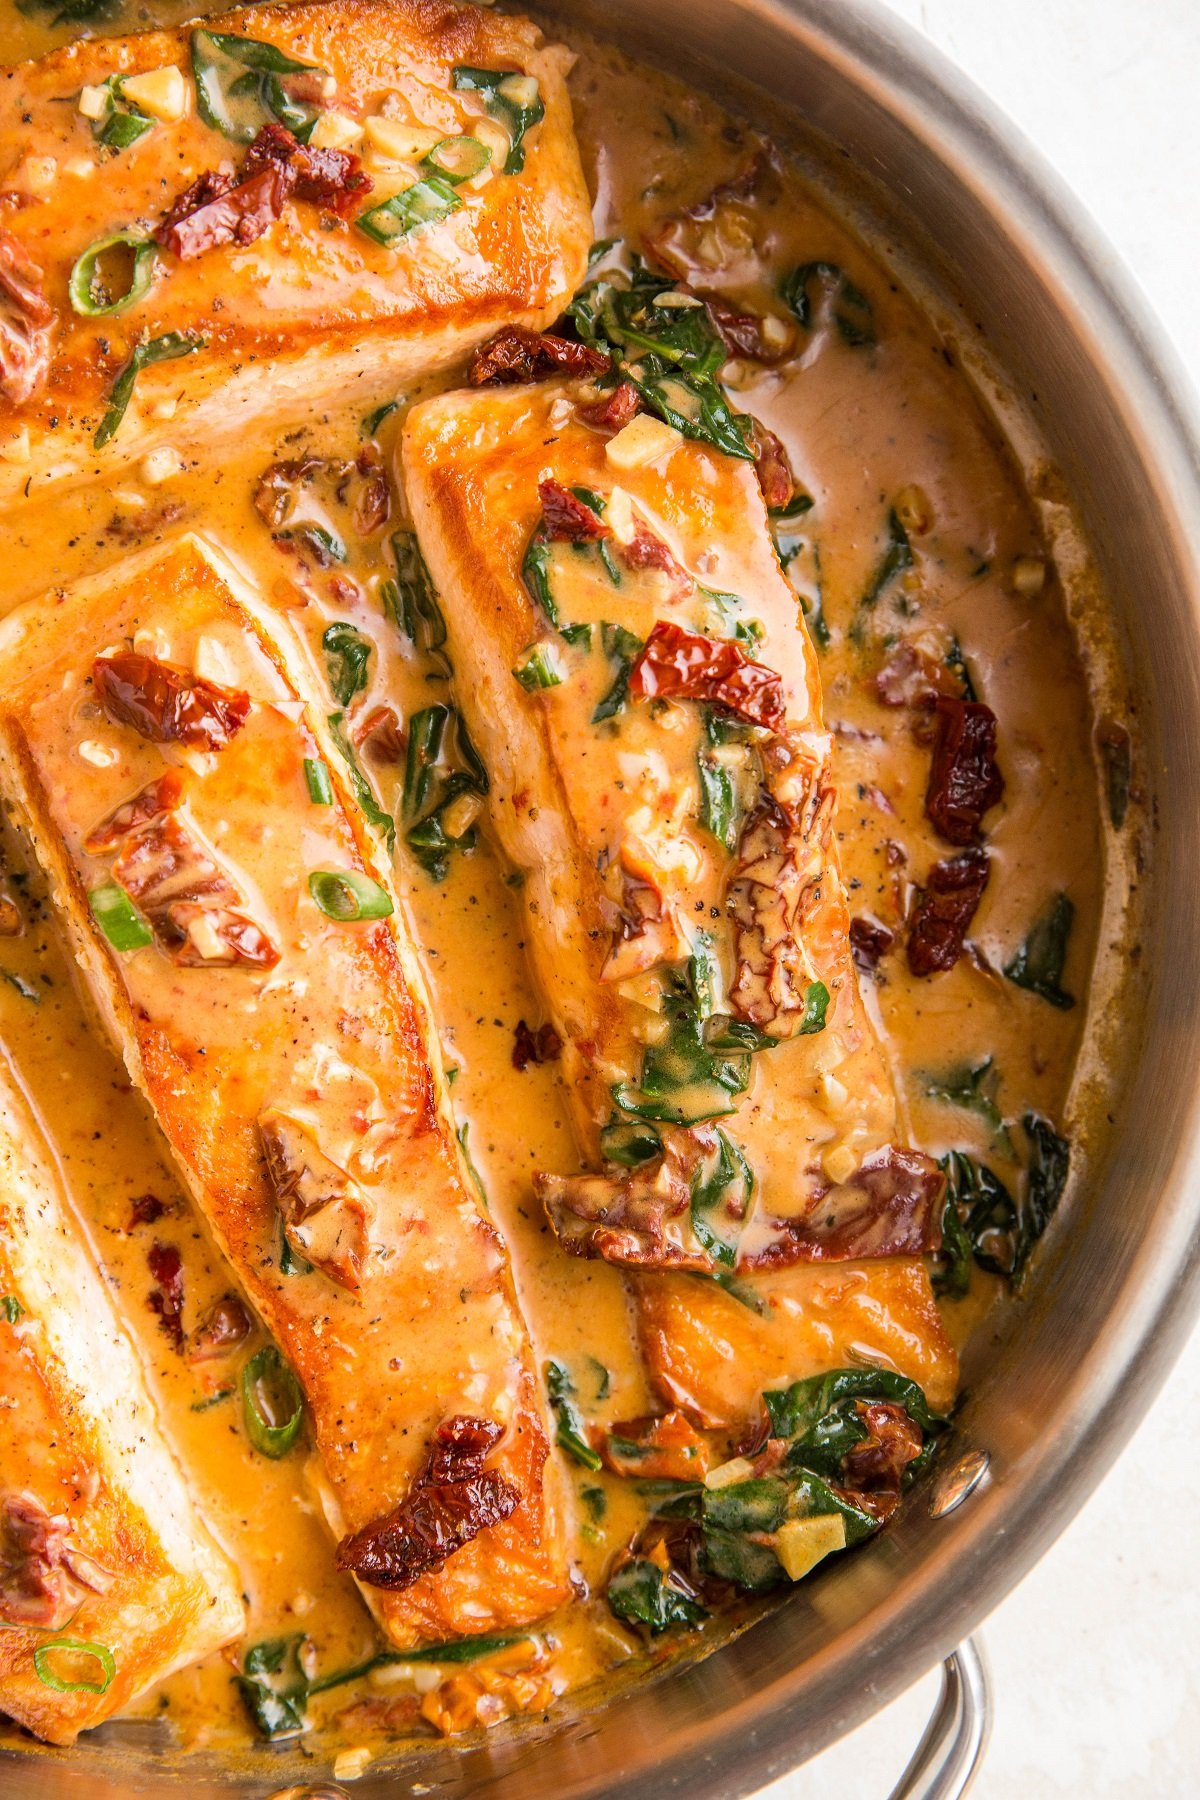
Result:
pixel 949 1755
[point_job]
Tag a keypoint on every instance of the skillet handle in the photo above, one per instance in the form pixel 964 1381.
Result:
pixel 948 1758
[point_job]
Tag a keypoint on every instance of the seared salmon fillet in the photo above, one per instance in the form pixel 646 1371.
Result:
pixel 285 205
pixel 233 916
pixel 109 1579
pixel 634 666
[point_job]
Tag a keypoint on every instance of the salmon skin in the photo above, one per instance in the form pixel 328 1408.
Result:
pixel 235 922
pixel 279 296
pixel 101 1545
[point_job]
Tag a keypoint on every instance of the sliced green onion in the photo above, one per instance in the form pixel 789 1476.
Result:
pixel 272 1403
pixel 424 203
pixel 119 919
pixel 344 894
pixel 320 788
pixel 10 1308
pixel 536 669
pixel 457 158
pixel 100 1652
pixel 512 98
pixel 96 290
pixel 155 350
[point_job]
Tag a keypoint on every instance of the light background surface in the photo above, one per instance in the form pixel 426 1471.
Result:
pixel 1094 1656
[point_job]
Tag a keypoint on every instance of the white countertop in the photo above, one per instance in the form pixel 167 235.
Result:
pixel 1097 1682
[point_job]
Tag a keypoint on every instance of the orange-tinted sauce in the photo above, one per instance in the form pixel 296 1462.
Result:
pixel 866 433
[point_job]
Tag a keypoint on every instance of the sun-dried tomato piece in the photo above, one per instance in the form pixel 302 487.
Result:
pixel 26 324
pixel 161 863
pixel 373 503
pixel 220 209
pixel 193 906
pixel 214 210
pixel 614 411
pixel 641 1219
pixel 963 778
pixel 646 550
pixel 892 1206
pixel 381 735
pixel 566 518
pixel 161 796
pixel 873 1471
pixel 166 1266
pixel 912 677
pixel 145 1209
pixel 334 179
pixel 326 1216
pixel 224 1326
pixel 869 940
pixel 744 333
pixel 518 355
pixel 679 664
pixel 668 1448
pixel 772 466
pixel 218 936
pixel 540 1046
pixel 43 1577
pixel 167 704
pixel 952 892
pixel 452 1500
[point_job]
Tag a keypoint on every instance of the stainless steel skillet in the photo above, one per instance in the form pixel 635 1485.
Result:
pixel 928 168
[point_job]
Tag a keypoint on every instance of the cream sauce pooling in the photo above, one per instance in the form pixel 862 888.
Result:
pixel 861 429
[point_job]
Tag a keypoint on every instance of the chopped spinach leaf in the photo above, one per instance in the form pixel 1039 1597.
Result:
pixel 374 420
pixel 382 822
pixel 957 663
pixel 411 603
pixel 1038 964
pixel 347 653
pixel 622 647
pixel 896 558
pixel 1046 1174
pixel 670 354
pixel 719 810
pixel 442 768
pixel 571 1433
pixel 849 307
pixel 153 350
pixel 240 86
pixel 622 1141
pixel 724 1180
pixel 974 1090
pixel 682 1081
pixel 274 1686
pixel 641 1594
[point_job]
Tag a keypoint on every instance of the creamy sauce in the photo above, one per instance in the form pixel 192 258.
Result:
pixel 861 431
